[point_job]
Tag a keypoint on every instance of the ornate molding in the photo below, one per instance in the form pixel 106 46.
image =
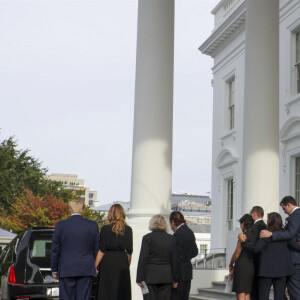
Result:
pixel 225 158
pixel 283 154
pixel 228 28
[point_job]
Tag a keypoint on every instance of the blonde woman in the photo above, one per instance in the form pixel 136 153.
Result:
pixel 114 257
pixel 157 265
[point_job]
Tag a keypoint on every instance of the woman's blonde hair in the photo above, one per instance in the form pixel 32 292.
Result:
pixel 116 217
pixel 158 222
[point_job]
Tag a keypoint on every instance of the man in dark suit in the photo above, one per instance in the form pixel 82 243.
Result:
pixel 186 250
pixel 257 213
pixel 291 232
pixel 75 245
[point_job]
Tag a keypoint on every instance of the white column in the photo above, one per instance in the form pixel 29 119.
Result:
pixel 153 120
pixel 152 140
pixel 261 107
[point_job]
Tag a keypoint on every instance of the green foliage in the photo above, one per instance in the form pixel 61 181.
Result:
pixel 94 216
pixel 19 170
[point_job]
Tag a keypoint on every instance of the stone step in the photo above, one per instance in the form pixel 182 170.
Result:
pixel 197 297
pixel 219 285
pixel 217 294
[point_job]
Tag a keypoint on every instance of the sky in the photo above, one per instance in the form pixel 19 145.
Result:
pixel 67 81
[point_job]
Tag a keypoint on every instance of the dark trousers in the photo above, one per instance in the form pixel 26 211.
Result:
pixel 159 292
pixel 254 293
pixel 182 291
pixel 293 283
pixel 265 283
pixel 75 288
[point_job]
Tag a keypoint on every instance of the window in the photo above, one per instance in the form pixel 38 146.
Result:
pixel 297 178
pixel 91 195
pixel 230 204
pixel 231 96
pixel 297 65
pixel 203 248
pixel 40 249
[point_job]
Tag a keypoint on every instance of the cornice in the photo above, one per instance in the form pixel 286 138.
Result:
pixel 225 31
pixel 287 9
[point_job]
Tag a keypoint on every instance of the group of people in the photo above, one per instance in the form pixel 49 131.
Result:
pixel 79 252
pixel 268 254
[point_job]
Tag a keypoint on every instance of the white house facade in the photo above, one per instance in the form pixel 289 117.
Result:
pixel 256 112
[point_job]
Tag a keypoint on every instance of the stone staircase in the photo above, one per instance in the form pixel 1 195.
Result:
pixel 217 292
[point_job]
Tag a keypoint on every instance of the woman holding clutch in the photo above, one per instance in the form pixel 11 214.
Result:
pixel 157 261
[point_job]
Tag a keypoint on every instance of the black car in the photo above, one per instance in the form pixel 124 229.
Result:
pixel 25 267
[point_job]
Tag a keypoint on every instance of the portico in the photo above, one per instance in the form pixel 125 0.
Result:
pixel 247 154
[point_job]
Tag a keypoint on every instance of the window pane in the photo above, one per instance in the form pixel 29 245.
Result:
pixel 231 100
pixel 298 47
pixel 297 180
pixel 40 249
pixel 298 62
pixel 230 203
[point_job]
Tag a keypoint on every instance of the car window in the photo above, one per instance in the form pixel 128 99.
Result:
pixel 2 255
pixel 9 255
pixel 40 250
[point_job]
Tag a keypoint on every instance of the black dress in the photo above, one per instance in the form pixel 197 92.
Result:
pixel 244 269
pixel 114 276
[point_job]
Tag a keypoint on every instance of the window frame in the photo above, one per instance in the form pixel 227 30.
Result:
pixel 231 103
pixel 230 202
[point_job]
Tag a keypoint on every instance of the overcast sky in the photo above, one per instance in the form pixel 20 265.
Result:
pixel 67 80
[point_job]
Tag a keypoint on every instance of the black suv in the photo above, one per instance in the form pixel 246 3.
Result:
pixel 25 267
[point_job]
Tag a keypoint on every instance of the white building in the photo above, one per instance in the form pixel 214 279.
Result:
pixel 256 125
pixel 71 181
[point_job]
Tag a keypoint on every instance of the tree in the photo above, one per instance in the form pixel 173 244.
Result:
pixel 29 210
pixel 96 216
pixel 19 170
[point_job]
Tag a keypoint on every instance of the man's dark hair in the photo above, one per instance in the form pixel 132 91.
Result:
pixel 177 218
pixel 288 199
pixel 258 210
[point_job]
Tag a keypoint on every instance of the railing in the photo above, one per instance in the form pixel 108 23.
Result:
pixel 212 259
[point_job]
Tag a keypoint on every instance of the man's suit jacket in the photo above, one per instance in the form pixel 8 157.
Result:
pixel 291 232
pixel 187 249
pixel 274 256
pixel 258 226
pixel 75 245
pixel 158 259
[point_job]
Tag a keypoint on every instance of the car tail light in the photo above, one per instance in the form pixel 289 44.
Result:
pixel 23 297
pixel 12 276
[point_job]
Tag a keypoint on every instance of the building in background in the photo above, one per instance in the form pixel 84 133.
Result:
pixel 5 237
pixel 71 181
pixel 186 202
pixel 196 211
pixel 256 129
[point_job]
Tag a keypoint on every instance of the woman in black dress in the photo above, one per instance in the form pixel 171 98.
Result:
pixel 241 265
pixel 114 257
